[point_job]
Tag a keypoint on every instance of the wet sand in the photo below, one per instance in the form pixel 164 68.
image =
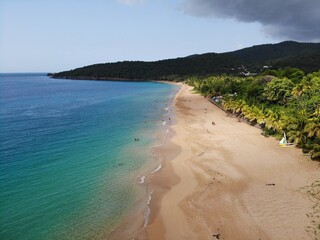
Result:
pixel 227 181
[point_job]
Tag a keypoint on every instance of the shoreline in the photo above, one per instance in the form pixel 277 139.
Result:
pixel 155 181
pixel 230 181
pixel 109 79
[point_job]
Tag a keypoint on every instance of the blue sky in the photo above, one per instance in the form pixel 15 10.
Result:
pixel 52 36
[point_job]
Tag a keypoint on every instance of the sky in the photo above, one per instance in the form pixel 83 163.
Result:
pixel 58 35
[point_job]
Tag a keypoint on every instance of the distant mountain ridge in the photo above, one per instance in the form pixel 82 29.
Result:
pixel 305 56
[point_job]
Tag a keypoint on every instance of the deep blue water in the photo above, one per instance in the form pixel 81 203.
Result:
pixel 68 159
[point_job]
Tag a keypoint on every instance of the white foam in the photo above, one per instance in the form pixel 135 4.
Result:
pixel 149 199
pixel 157 169
pixel 147 212
pixel 167 109
pixel 146 217
pixel 164 123
pixel 142 178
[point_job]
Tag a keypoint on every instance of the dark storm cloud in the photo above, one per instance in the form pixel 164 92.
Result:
pixel 294 19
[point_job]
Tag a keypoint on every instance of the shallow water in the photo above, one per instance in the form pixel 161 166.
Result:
pixel 68 160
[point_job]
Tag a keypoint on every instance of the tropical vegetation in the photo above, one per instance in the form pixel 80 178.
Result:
pixel 247 61
pixel 279 101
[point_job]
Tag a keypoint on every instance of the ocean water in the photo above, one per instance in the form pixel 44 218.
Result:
pixel 69 165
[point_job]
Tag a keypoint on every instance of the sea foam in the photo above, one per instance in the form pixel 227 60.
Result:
pixel 148 211
pixel 157 169
pixel 142 179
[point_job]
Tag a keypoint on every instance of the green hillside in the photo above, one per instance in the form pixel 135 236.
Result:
pixel 247 61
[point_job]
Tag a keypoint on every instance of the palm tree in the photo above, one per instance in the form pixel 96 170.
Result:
pixel 272 118
pixel 315 152
pixel 312 128
pixel 297 90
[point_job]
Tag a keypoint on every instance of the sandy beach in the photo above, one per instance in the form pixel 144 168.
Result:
pixel 224 180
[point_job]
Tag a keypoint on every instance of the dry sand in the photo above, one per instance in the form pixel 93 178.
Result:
pixel 230 181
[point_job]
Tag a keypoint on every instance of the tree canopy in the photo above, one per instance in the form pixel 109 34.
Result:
pixel 248 61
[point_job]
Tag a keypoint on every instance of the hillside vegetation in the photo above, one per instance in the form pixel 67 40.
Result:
pixel 247 61
pixel 279 101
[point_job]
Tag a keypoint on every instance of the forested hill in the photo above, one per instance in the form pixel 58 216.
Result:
pixel 247 61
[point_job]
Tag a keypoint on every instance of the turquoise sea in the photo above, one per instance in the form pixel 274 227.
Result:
pixel 69 164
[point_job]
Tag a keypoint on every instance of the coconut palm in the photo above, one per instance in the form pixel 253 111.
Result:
pixel 315 152
pixel 272 120
pixel 297 91
pixel 312 128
